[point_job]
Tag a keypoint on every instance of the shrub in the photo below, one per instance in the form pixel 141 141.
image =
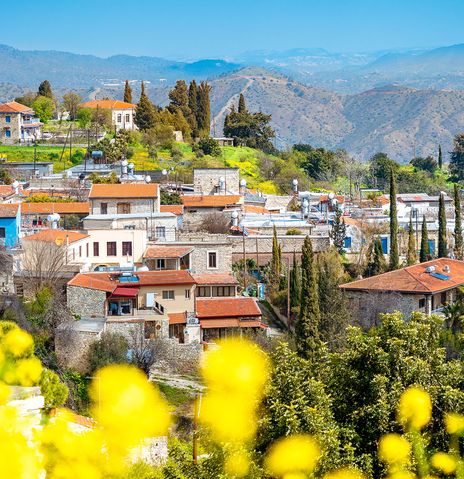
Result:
pixel 111 348
pixel 293 232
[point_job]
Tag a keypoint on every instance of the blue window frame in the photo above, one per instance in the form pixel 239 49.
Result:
pixel 8 119
pixel 347 242
pixel 384 245
pixel 432 246
pixel 7 133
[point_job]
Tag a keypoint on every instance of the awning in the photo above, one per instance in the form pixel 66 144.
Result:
pixel 219 323
pixel 124 292
pixel 253 324
pixel 177 318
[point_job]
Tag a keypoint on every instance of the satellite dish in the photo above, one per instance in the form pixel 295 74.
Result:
pixel 243 182
pixel 235 214
pixel 147 179
pixel 164 172
pixel 124 163
pixel 53 217
pixel 294 182
pixel 331 196
pixel 15 184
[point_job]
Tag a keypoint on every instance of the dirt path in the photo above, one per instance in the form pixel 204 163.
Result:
pixel 176 380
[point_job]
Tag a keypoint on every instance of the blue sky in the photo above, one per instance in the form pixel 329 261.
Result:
pixel 208 28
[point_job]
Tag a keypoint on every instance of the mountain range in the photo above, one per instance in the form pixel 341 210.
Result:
pixel 403 102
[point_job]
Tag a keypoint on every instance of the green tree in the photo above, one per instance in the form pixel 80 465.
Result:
pixel 203 109
pixel 276 260
pixel 319 163
pixel 307 325
pixel 440 158
pixel 145 115
pixel 295 285
pixel 376 260
pixel 458 240
pixel 127 92
pixel 26 99
pixel 159 136
pixel 84 117
pixel 179 99
pixel 426 164
pixel 71 102
pixel 241 104
pixel 380 168
pixel 111 348
pixel 44 108
pixel 424 254
pixel 456 165
pixel 442 243
pixel 45 89
pixel 53 390
pixel 411 257
pixel 209 146
pixel 338 231
pixel 193 105
pixel 394 254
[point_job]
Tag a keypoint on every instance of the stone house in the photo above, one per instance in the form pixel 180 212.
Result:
pixel 122 113
pixel 425 287
pixel 209 203
pixel 124 198
pixel 18 124
pixel 212 181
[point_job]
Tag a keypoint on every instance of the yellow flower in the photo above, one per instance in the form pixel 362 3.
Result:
pixel 454 423
pixel 28 371
pixel 237 464
pixel 415 408
pixel 394 449
pixel 444 462
pixel 401 474
pixel 18 342
pixel 344 473
pixel 295 475
pixel 5 393
pixel 292 454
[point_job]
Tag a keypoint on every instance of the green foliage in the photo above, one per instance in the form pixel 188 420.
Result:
pixel 127 92
pixel 159 136
pixel 193 106
pixel 440 158
pixel 96 178
pixel 276 260
pixel 209 146
pixel 168 198
pixel 114 150
pixel 203 117
pixel 71 101
pixel 45 89
pixel 111 348
pixel 145 115
pixel 43 198
pixel 442 242
pixel 394 253
pixel 375 259
pixel 456 166
pixel 338 231
pixel 319 163
pixel 426 164
pixel 44 108
pixel 54 391
pixel 380 168
pixel 458 240
pixel 5 177
pixel 84 117
pixel 27 99
pixel 424 254
pixel 411 257
pixel 295 286
pixel 293 232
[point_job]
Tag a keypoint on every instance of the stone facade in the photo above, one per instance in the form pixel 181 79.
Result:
pixel 86 302
pixel 141 205
pixel 206 180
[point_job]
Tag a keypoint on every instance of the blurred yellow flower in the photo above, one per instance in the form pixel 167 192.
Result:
pixel 444 462
pixel 415 408
pixel 295 475
pixel 237 464
pixel 344 473
pixel 5 393
pixel 17 342
pixel 454 423
pixel 394 449
pixel 401 474
pixel 298 453
pixel 28 371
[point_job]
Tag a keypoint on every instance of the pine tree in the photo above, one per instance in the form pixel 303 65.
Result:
pixel 442 246
pixel 241 104
pixel 456 164
pixel 127 92
pixel 145 115
pixel 338 231
pixel 193 105
pixel 276 261
pixel 412 255
pixel 45 89
pixel 295 285
pixel 458 240
pixel 307 325
pixel 440 158
pixel 424 254
pixel 376 259
pixel 394 256
pixel 204 109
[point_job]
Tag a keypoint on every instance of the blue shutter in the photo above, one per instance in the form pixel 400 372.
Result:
pixel 385 245
pixel 347 242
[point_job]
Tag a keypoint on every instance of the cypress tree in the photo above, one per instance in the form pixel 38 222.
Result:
pixel 193 105
pixel 442 247
pixel 145 115
pixel 412 255
pixel 203 109
pixel 440 158
pixel 127 92
pixel 295 285
pixel 241 104
pixel 458 240
pixel 307 325
pixel 376 264
pixel 394 256
pixel 276 261
pixel 45 89
pixel 338 231
pixel 424 254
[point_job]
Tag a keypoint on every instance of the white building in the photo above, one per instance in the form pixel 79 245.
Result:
pixel 122 113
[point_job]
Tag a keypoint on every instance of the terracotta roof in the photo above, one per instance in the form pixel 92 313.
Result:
pixel 255 209
pixel 108 105
pixel 6 190
pixel 8 210
pixel 176 209
pixel 351 221
pixel 14 107
pixel 52 207
pixel 215 278
pixel 325 198
pixel 226 307
pixel 177 318
pixel 231 323
pixel 414 279
pixel 108 281
pixel 56 236
pixel 167 251
pixel 124 190
pixel 210 201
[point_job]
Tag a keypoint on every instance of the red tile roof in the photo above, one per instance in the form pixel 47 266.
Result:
pixel 226 307
pixel 325 198
pixel 253 209
pixel 124 190
pixel 177 318
pixel 108 105
pixel 215 278
pixel 176 209
pixel 6 190
pixel 169 252
pixel 57 236
pixel 210 201
pixel 414 279
pixel 52 207
pixel 8 210
pixel 14 107
pixel 231 323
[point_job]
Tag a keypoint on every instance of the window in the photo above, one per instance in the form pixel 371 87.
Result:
pixel 347 242
pixel 104 208
pixel 8 119
pixel 87 250
pixel 7 133
pixel 443 298
pixel 421 303
pixel 127 118
pixel 168 294
pixel 160 232
pixel 80 251
pixel 187 294
pixel 212 260
pixel 123 208
pixel 2 233
pixel 160 263
pixel 111 248
pixel 96 248
pixel 203 291
pixel 119 118
pixel 127 248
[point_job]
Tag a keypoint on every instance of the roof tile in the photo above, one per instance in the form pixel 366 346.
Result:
pixel 124 190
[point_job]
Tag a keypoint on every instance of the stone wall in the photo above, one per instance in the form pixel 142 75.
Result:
pixel 86 302
pixel 145 205
pixel 71 347
pixel 14 126
pixel 206 180
pixel 289 244
pixel 176 357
